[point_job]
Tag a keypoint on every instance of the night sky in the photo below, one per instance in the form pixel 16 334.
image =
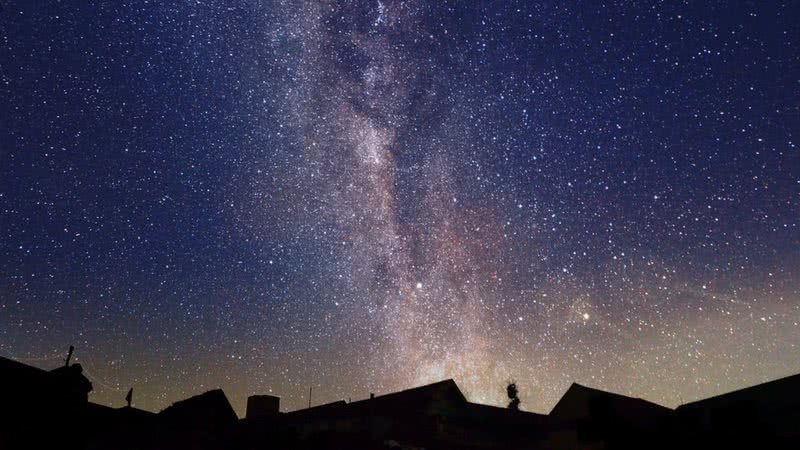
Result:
pixel 366 196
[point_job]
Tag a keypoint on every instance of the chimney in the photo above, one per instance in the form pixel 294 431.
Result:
pixel 263 406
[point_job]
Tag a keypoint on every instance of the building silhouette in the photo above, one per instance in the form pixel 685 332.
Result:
pixel 51 409
pixel 765 415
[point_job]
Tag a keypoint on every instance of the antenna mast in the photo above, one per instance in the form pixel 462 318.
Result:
pixel 69 356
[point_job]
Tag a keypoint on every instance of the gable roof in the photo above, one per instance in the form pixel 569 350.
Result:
pixel 421 394
pixel 581 401
pixel 410 401
pixel 208 408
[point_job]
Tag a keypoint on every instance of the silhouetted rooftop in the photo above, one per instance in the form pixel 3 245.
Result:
pixel 208 408
pixel 406 401
pixel 581 401
pixel 63 379
pixel 782 390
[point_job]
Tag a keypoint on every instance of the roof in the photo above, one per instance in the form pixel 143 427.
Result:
pixel 106 415
pixel 420 393
pixel 208 408
pixel 581 401
pixel 73 376
pixel 18 375
pixel 494 414
pixel 776 392
pixel 318 410
pixel 422 399
pixel 14 369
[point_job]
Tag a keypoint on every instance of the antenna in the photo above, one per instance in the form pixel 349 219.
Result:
pixel 69 356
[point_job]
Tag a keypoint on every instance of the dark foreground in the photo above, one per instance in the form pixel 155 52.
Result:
pixel 50 409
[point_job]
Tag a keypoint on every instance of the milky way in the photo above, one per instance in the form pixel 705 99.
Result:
pixel 369 196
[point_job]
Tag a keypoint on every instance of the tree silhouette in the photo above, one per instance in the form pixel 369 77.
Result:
pixel 512 392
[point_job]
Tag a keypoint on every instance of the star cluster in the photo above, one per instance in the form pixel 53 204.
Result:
pixel 366 196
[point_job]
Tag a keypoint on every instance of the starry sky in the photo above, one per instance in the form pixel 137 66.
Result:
pixel 365 196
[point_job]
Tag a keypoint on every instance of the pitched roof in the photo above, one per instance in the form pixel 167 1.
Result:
pixel 104 415
pixel 780 391
pixel 64 377
pixel 421 393
pixel 406 401
pixel 210 407
pixel 579 399
pixel 323 410
pixel 11 368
